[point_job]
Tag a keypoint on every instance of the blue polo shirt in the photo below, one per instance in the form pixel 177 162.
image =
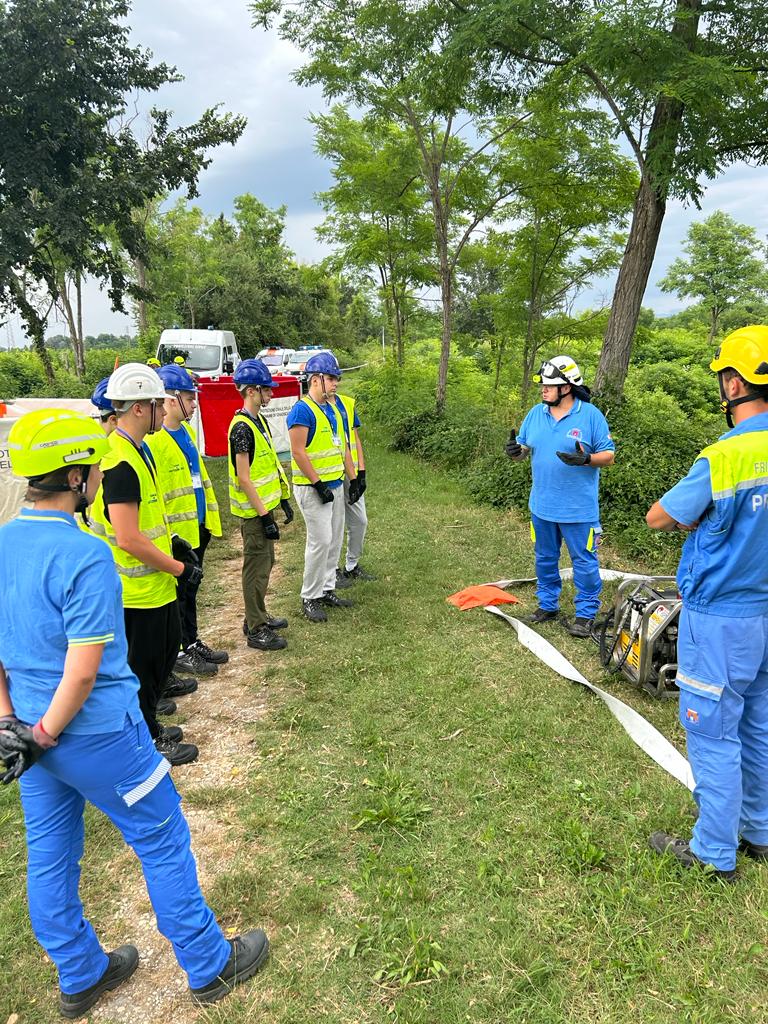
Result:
pixel 724 562
pixel 300 415
pixel 61 590
pixel 561 493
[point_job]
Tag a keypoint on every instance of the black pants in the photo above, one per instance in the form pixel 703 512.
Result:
pixel 153 636
pixel 187 596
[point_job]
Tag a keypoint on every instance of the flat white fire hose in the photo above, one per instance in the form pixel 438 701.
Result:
pixel 645 735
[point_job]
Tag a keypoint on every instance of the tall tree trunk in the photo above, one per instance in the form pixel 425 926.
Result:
pixel 446 296
pixel 80 349
pixel 142 318
pixel 647 217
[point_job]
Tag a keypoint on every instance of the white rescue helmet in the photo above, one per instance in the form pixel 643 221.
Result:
pixel 559 370
pixel 135 382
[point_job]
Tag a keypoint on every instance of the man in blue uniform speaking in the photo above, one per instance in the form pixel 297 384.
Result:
pixel 568 441
pixel 722 648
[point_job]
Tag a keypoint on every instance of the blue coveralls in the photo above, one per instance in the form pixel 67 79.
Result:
pixel 564 503
pixel 61 590
pixel 723 639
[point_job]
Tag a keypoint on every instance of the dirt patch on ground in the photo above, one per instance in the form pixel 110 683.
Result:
pixel 217 719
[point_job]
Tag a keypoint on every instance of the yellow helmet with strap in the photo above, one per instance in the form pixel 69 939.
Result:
pixel 746 352
pixel 49 439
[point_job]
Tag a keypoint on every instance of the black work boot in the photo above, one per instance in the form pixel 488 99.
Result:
pixel 543 615
pixel 580 627
pixel 249 953
pixel 122 963
pixel 172 732
pixel 358 573
pixel 208 654
pixel 165 706
pixel 680 849
pixel 757 851
pixel 332 600
pixel 175 752
pixel 265 639
pixel 191 663
pixel 178 687
pixel 273 623
pixel 343 582
pixel 313 610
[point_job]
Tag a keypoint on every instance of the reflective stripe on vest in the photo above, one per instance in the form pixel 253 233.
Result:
pixel 349 408
pixel 265 471
pixel 325 454
pixel 175 480
pixel 143 586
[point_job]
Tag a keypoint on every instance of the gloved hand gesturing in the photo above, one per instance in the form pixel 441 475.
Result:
pixel 21 746
pixel 325 492
pixel 355 494
pixel 512 448
pixel 192 574
pixel 575 458
pixel 287 508
pixel 361 480
pixel 271 532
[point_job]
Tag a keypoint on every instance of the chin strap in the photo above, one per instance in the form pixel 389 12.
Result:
pixel 559 398
pixel 729 404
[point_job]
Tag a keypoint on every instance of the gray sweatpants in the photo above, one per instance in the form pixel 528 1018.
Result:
pixel 325 535
pixel 356 521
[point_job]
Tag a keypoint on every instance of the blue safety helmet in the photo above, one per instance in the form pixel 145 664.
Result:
pixel 176 378
pixel 253 373
pixel 324 363
pixel 99 397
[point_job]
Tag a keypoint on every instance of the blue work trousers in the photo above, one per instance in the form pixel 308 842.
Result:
pixel 723 680
pixel 122 774
pixel 581 541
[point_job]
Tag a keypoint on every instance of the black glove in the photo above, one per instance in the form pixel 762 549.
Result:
pixel 512 448
pixel 361 480
pixel 575 458
pixel 325 492
pixel 271 531
pixel 19 749
pixel 192 574
pixel 286 506
pixel 183 551
pixel 355 494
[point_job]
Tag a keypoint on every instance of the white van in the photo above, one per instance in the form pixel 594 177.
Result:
pixel 276 358
pixel 208 353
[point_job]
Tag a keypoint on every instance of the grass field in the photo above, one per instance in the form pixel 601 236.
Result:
pixel 436 828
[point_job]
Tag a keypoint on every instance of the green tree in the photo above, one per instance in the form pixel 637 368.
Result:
pixel 686 83
pixel 724 265
pixel 389 58
pixel 377 210
pixel 73 172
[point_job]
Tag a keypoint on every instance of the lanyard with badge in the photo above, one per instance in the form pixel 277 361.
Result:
pixel 142 449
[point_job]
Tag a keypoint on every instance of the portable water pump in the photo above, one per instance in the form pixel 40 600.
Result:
pixel 638 636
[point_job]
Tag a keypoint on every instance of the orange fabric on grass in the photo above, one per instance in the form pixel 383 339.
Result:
pixel 479 597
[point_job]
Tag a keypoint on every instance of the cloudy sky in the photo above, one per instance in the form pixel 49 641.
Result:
pixel 224 60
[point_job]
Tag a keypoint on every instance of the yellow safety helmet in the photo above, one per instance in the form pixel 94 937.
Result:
pixel 49 439
pixel 745 351
pixel 153 362
pixel 180 361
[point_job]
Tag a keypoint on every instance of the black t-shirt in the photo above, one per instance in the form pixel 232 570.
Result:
pixel 241 440
pixel 121 485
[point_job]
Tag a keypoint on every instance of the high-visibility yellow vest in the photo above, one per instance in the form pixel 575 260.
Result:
pixel 267 475
pixel 175 481
pixel 143 586
pixel 349 409
pixel 325 450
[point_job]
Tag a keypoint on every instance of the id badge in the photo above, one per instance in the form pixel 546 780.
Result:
pixel 197 481
pixel 336 441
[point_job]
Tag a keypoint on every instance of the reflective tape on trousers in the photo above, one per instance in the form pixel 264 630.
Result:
pixel 645 735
